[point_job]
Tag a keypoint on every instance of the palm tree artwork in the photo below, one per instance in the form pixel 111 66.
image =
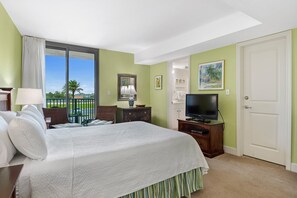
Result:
pixel 211 75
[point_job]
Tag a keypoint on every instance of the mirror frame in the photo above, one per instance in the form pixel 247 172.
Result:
pixel 120 76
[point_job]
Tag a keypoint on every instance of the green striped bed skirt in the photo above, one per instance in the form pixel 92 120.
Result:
pixel 181 185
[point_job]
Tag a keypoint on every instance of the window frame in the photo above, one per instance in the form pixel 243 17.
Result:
pixel 76 48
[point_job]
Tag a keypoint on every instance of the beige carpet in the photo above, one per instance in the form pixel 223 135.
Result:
pixel 239 177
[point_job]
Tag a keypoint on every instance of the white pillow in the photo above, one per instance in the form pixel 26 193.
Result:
pixel 39 119
pixel 34 109
pixel 7 150
pixel 8 115
pixel 28 137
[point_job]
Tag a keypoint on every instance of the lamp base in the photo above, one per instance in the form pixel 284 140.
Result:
pixel 131 102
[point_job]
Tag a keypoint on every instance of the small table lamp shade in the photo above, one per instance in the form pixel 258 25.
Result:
pixel 128 90
pixel 131 90
pixel 124 90
pixel 27 96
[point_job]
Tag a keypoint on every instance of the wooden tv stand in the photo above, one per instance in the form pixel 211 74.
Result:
pixel 209 136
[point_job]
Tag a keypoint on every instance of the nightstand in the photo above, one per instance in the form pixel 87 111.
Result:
pixel 8 178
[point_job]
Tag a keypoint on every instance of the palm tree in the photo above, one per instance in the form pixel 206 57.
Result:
pixel 214 72
pixel 73 86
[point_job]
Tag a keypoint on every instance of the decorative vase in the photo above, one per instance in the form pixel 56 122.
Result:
pixel 131 102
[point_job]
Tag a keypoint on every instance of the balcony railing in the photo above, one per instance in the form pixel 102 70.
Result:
pixel 78 109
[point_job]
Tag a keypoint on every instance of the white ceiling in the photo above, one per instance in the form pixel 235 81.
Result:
pixel 154 30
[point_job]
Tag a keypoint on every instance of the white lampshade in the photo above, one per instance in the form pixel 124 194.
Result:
pixel 124 90
pixel 27 96
pixel 131 90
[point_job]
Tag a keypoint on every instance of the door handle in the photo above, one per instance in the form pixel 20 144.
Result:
pixel 247 107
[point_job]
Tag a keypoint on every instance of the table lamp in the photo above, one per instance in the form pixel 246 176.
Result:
pixel 29 96
pixel 131 92
pixel 124 90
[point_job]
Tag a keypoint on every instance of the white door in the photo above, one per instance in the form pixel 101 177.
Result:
pixel 264 100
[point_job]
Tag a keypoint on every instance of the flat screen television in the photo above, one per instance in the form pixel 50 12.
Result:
pixel 202 107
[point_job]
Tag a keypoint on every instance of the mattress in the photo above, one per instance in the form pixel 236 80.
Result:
pixel 108 160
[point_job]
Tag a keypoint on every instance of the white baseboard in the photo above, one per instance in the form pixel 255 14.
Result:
pixel 294 167
pixel 230 150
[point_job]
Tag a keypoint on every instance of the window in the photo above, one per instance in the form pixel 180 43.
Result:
pixel 72 80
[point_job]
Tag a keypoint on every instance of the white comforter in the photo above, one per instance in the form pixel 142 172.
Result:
pixel 108 161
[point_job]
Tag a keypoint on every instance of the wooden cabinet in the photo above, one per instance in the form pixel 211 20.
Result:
pixel 134 114
pixel 209 136
pixel 8 179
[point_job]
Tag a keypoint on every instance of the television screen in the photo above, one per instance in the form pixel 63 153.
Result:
pixel 202 106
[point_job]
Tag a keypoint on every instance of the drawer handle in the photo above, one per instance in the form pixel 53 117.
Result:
pixel 129 113
pixel 145 112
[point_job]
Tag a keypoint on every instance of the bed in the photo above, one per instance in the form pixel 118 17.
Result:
pixel 133 159
pixel 108 161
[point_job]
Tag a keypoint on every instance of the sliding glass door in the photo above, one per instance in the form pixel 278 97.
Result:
pixel 72 80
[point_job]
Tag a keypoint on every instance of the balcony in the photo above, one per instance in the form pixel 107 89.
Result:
pixel 78 109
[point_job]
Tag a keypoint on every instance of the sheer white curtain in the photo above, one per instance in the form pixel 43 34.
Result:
pixel 34 64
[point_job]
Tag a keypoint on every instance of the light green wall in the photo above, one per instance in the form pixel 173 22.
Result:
pixel 112 63
pixel 10 53
pixel 227 104
pixel 159 98
pixel 294 99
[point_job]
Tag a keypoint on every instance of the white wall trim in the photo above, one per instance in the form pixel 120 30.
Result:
pixel 294 167
pixel 239 92
pixel 169 93
pixel 170 83
pixel 230 150
pixel 289 99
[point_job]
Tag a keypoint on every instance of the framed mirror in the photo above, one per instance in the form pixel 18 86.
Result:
pixel 127 87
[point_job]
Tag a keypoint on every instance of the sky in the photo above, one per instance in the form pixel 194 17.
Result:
pixel 81 70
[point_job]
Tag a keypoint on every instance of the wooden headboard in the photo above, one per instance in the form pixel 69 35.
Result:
pixel 5 99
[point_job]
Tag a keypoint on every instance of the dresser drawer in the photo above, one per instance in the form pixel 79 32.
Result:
pixel 144 115
pixel 129 116
pixel 134 114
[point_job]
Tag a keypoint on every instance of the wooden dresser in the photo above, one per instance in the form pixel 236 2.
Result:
pixel 134 114
pixel 209 136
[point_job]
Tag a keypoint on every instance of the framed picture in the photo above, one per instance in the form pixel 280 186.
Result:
pixel 211 75
pixel 158 82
